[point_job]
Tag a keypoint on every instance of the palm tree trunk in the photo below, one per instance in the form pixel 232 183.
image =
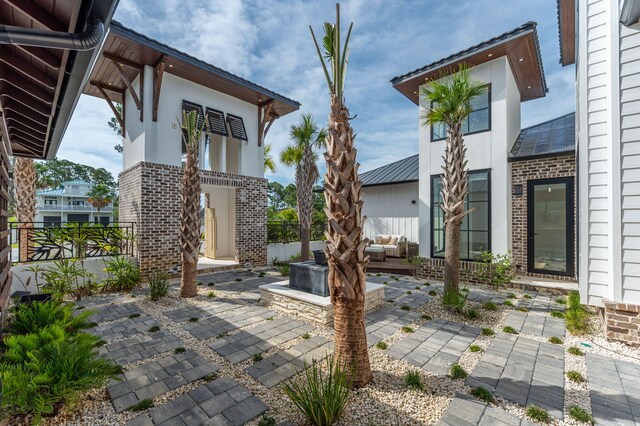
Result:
pixel 306 175
pixel 345 245
pixel 190 224
pixel 452 257
pixel 25 185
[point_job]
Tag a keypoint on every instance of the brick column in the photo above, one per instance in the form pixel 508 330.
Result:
pixel 622 322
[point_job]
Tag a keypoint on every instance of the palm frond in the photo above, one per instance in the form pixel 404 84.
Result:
pixel 269 162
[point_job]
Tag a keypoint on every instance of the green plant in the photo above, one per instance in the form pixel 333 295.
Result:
pixel 557 314
pixel 456 372
pixel 580 414
pixel 179 350
pixel 211 284
pixel 100 343
pixel 211 294
pixel 159 285
pixel 526 296
pixel 417 287
pixel 511 296
pixel 154 329
pixel 433 293
pixel 407 329
pixel 507 303
pixel 575 376
pixel 454 300
pixel 257 358
pixel 405 308
pixel 122 274
pixel 62 278
pixel 428 284
pixel 412 380
pixel 194 319
pixel 426 317
pixel 30 318
pixel 210 377
pixel 409 292
pixel 495 269
pixel 132 316
pixel 142 405
pixel 555 340
pixel 490 306
pixel 471 314
pixel 382 345
pixel 261 274
pixel 306 336
pixel 475 348
pixel 510 330
pixel 522 309
pixel 283 270
pixel 482 394
pixel 573 350
pixel 267 421
pixel 576 316
pixel 537 413
pixel 238 280
pixel 488 332
pixel 561 301
pixel 321 393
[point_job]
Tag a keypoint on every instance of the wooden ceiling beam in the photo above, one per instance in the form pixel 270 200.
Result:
pixel 26 123
pixel 10 92
pixel 127 82
pixel 27 69
pixel 106 97
pixel 24 132
pixel 99 85
pixel 39 15
pixel 29 114
pixel 25 86
pixel 123 61
pixel 42 55
pixel 33 148
pixel 158 74
pixel 264 122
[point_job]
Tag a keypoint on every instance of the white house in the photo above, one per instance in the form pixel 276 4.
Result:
pixel 602 38
pixel 69 203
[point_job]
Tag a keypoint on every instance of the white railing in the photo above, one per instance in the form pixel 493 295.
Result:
pixel 66 207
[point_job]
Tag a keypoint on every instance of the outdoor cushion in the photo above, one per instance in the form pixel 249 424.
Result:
pixel 393 240
pixel 384 239
pixel 390 246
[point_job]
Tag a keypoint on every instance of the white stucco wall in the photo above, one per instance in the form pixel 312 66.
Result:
pixel 486 150
pixel 285 251
pixel 389 210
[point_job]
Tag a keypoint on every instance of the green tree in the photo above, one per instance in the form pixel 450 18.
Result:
pixel 115 126
pixel 269 163
pixel 447 101
pixel 100 195
pixel 51 174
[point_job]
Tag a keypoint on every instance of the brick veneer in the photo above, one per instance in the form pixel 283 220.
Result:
pixel 521 173
pixel 150 197
pixel 622 322
pixel 433 269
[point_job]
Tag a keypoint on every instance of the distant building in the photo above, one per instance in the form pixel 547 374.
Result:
pixel 69 203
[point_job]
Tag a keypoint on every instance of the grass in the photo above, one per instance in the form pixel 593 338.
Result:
pixel 538 414
pixel 385 282
pixel 488 332
pixel 561 301
pixel 257 358
pixel 306 336
pixel 267 421
pixel 409 292
pixel 527 296
pixel 194 319
pixel 238 280
pixel 407 329
pixel 405 308
pixel 580 414
pixel 261 274
pixel 145 404
pixel 417 287
pixel 475 348
pixel 270 319
pixel 211 294
pixel 382 345
pixel 490 306
pixel 132 316
pixel 471 314
pixel 154 329
pixel 511 296
pixel 574 350
pixel 555 340
pixel 179 350
pixel 426 317
pixel 575 376
pixel 211 284
pixel 482 394
pixel 456 372
pixel 510 330
pixel 428 284
pixel 221 336
pixel 433 293
pixel 412 380
pixel 210 377
pixel 507 303
pixel 557 314
pixel 100 343
pixel 522 309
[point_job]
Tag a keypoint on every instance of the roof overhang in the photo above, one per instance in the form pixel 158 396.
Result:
pixel 40 87
pixel 630 12
pixel 567 30
pixel 133 51
pixel 521 48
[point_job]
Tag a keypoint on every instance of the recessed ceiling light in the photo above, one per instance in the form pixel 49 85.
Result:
pixel 528 87
pixel 520 60
pixel 414 92
pixel 170 66
pixel 490 55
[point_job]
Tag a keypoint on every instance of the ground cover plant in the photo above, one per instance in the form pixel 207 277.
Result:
pixel 576 316
pixel 158 285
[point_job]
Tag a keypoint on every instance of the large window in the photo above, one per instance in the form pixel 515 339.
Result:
pixel 478 121
pixel 474 232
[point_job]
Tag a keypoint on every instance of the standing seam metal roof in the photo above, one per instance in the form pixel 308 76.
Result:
pixel 552 137
pixel 402 171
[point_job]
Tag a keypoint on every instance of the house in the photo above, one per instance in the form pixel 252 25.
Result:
pixel 155 83
pixel 69 203
pixel 602 38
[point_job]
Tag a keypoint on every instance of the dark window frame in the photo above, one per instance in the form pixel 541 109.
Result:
pixel 433 207
pixel 488 129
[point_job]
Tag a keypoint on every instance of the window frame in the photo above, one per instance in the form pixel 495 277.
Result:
pixel 432 179
pixel 488 129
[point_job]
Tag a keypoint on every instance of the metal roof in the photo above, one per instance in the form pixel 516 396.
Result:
pixel 553 137
pixel 61 189
pixel 402 171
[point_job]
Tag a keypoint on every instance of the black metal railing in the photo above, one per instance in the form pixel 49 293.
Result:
pixel 289 232
pixel 45 241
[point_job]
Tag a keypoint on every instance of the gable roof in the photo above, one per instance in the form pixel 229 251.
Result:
pixel 519 45
pixel 402 171
pixel 551 138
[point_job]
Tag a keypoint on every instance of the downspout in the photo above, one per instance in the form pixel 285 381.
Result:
pixel 87 40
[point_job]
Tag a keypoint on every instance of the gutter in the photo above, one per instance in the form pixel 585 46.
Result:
pixel 630 12
pixel 89 39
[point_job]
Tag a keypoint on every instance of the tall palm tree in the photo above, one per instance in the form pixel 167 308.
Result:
pixel 343 196
pixel 447 101
pixel 269 164
pixel 300 154
pixel 190 210
pixel 25 174
pixel 100 195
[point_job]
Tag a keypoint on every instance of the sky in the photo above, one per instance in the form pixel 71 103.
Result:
pixel 268 42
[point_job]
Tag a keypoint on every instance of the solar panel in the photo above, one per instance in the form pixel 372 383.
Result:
pixel 237 127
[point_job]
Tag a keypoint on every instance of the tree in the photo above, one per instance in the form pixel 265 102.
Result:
pixel 448 102
pixel 99 196
pixel 25 186
pixel 342 189
pixel 190 210
pixel 115 126
pixel 269 164
pixel 51 174
pixel 300 154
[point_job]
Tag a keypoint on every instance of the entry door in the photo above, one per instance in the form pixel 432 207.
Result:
pixel 550 226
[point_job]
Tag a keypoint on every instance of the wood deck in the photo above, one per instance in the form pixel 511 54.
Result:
pixel 390 266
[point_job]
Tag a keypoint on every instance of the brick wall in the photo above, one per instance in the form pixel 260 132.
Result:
pixel 433 269
pixel 150 197
pixel 521 173
pixel 622 322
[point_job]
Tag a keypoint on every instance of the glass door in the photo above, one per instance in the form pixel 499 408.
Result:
pixel 550 226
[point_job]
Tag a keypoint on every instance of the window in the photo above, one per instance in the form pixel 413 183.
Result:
pixel 474 232
pixel 478 121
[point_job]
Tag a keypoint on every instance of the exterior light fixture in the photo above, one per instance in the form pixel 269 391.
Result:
pixel 517 190
pixel 528 87
pixel 490 55
pixel 521 59
pixel 170 66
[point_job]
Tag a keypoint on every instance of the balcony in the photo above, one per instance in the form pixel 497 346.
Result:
pixel 70 208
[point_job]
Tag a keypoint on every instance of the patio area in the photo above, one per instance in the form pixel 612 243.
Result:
pixel 222 358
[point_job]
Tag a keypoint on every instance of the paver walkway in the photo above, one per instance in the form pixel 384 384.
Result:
pixel 466 411
pixel 523 371
pixel 140 346
pixel 385 321
pixel 536 324
pixel 615 390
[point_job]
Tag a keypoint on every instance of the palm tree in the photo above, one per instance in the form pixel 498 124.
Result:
pixel 25 174
pixel 306 137
pixel 269 164
pixel 100 195
pixel 190 210
pixel 448 102
pixel 343 197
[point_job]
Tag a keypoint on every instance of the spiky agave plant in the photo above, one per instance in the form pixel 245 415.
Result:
pixel 343 196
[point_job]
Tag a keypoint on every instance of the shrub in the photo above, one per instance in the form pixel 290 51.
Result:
pixel 456 372
pixel 482 394
pixel 454 300
pixel 557 314
pixel 475 348
pixel 321 393
pixel 496 269
pixel 576 316
pixel 257 358
pixel 407 329
pixel 267 421
pixel 510 330
pixel 488 332
pixel 211 294
pixel 179 350
pixel 573 350
pixel 158 285
pixel 575 376
pixel 382 345
pixel 538 414
pixel 122 274
pixel 30 318
pixel 490 306
pixel 306 336
pixel 142 405
pixel 555 340
pixel 283 270
pixel 580 414
pixel 62 278
pixel 154 329
pixel 412 380
pixel 471 314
